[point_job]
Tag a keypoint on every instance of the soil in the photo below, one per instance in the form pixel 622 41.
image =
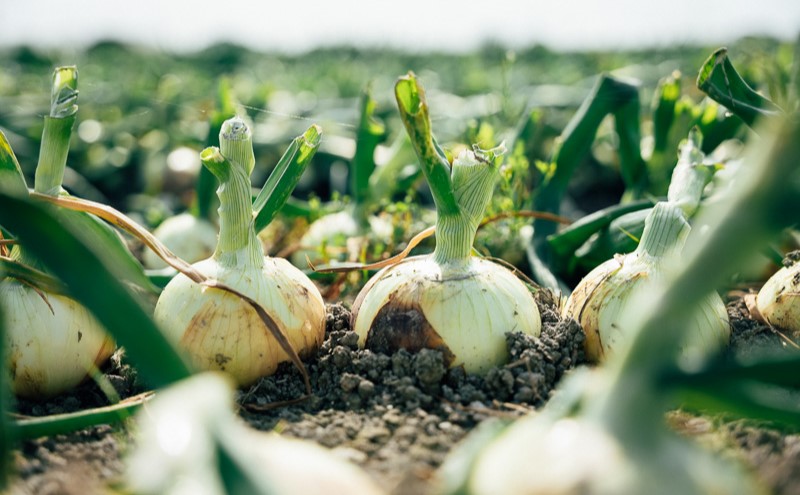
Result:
pixel 397 415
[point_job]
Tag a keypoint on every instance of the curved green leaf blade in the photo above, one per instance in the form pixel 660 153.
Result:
pixel 11 176
pixel 720 80
pixel 370 134
pixel 608 96
pixel 58 424
pixel 67 254
pixel 571 238
pixel 414 112
pixel 285 176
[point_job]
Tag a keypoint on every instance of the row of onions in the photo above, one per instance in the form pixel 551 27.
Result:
pixel 244 313
pixel 450 300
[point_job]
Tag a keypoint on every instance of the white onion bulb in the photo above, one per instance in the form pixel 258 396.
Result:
pixel 778 301
pixel 449 300
pixel 602 300
pixel 220 331
pixel 190 238
pixel 217 329
pixel 53 343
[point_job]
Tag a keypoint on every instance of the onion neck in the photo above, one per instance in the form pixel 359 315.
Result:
pixel 454 237
pixel 473 181
pixel 690 176
pixel 632 407
pixel 53 155
pixel 57 131
pixel 238 244
pixel 665 231
pixel 231 163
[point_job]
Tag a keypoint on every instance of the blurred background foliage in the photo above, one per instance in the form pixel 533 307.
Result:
pixel 144 115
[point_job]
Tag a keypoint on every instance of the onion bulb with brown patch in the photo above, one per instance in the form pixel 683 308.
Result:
pixel 449 300
pixel 217 329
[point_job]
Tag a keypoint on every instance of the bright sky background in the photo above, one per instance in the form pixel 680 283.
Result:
pixel 415 24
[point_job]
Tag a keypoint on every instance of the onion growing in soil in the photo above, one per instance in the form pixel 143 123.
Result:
pixel 603 298
pixel 778 301
pixel 217 329
pixel 449 300
pixel 53 343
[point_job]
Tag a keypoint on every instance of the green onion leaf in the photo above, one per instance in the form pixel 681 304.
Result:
pixel 11 176
pixel 720 80
pixel 370 134
pixel 284 177
pixel 68 255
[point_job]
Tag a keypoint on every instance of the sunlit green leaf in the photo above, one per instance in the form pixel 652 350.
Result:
pixel 11 176
pixel 722 82
pixel 67 254
pixel 285 176
pixel 370 133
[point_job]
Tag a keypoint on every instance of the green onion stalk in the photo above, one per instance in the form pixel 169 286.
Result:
pixel 604 430
pixel 602 299
pixel 340 236
pixel 192 235
pixel 53 343
pixel 217 329
pixel 449 300
pixel 645 169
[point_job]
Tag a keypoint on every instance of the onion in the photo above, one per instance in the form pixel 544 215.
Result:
pixel 601 301
pixel 187 236
pixel 463 309
pixel 217 329
pixel 53 343
pixel 448 300
pixel 778 301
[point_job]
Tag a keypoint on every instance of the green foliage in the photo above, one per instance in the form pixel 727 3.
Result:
pixel 285 176
pixel 720 80
pixel 6 405
pixel 69 255
pixel 10 172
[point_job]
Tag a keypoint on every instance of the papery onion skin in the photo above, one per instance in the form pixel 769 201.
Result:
pixel 778 301
pixel 220 331
pixel 192 239
pixel 600 301
pixel 53 343
pixel 463 309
